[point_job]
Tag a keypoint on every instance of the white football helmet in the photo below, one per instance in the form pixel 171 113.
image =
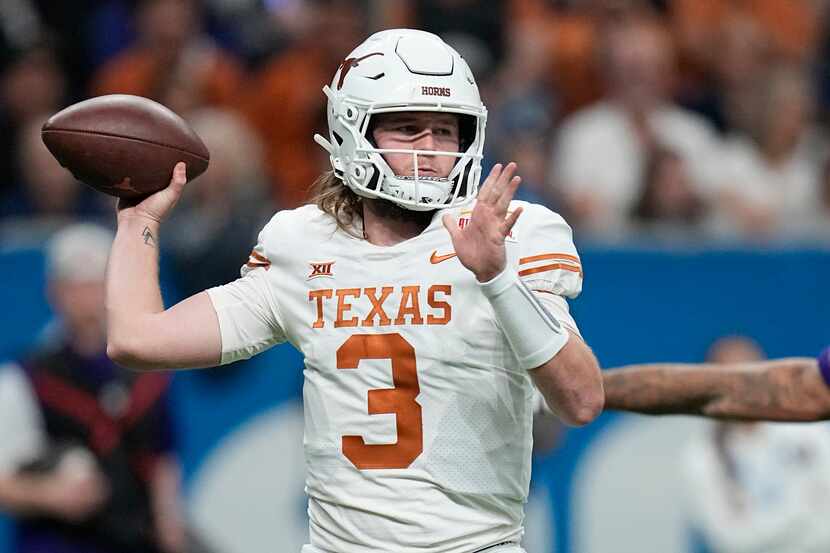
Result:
pixel 403 70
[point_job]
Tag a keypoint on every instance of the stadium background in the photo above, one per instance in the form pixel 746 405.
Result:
pixel 655 290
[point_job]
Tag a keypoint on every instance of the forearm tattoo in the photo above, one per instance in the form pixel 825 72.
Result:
pixel 786 391
pixel 149 239
pixel 776 391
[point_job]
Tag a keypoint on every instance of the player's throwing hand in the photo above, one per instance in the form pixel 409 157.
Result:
pixel 156 206
pixel 480 244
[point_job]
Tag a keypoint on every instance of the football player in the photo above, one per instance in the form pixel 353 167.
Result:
pixel 796 389
pixel 425 308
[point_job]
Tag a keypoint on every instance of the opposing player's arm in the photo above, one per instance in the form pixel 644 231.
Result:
pixel 780 390
pixel 141 334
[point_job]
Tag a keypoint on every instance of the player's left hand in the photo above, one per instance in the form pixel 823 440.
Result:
pixel 480 244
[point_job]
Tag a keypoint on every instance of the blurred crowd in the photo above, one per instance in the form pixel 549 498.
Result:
pixel 700 119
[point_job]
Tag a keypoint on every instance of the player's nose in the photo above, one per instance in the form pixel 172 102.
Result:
pixel 426 141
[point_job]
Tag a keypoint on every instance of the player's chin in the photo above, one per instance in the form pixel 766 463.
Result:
pixel 436 176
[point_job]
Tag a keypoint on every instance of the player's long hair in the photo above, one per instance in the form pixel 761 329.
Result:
pixel 338 200
pixel 341 202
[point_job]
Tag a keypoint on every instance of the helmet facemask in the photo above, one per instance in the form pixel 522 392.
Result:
pixel 423 186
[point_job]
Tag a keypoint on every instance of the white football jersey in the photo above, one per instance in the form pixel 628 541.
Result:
pixel 417 418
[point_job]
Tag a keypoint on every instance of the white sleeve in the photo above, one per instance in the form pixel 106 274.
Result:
pixel 21 425
pixel 548 260
pixel 249 317
pixel 558 307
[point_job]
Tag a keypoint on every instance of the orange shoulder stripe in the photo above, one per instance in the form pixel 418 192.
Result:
pixel 546 256
pixel 551 267
pixel 258 260
pixel 259 257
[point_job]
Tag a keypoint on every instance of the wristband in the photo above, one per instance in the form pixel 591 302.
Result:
pixel 534 335
pixel 824 365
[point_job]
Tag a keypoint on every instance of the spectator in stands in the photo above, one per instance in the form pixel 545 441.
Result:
pixel 824 193
pixel 792 28
pixel 462 22
pixel 283 105
pixel 601 151
pixel 48 196
pixel 821 61
pixel 768 177
pixel 218 218
pixel 530 151
pixel 91 468
pixel 522 110
pixel 759 486
pixel 734 63
pixel 573 29
pixel 47 188
pixel 32 83
pixel 668 201
pixel 817 226
pixel 519 96
pixel 480 36
pixel 173 61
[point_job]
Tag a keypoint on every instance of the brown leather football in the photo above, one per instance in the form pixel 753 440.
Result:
pixel 123 145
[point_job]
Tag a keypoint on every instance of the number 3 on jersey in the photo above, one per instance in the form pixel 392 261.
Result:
pixel 399 401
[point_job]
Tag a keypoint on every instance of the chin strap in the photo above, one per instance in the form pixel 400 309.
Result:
pixel 322 141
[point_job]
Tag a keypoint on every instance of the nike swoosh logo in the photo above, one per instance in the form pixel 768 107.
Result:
pixel 435 258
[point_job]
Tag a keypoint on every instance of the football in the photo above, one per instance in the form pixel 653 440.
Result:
pixel 123 145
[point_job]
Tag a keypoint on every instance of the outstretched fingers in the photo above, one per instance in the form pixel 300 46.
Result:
pixel 508 224
pixel 486 191
pixel 507 195
pixel 498 182
pixel 502 183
